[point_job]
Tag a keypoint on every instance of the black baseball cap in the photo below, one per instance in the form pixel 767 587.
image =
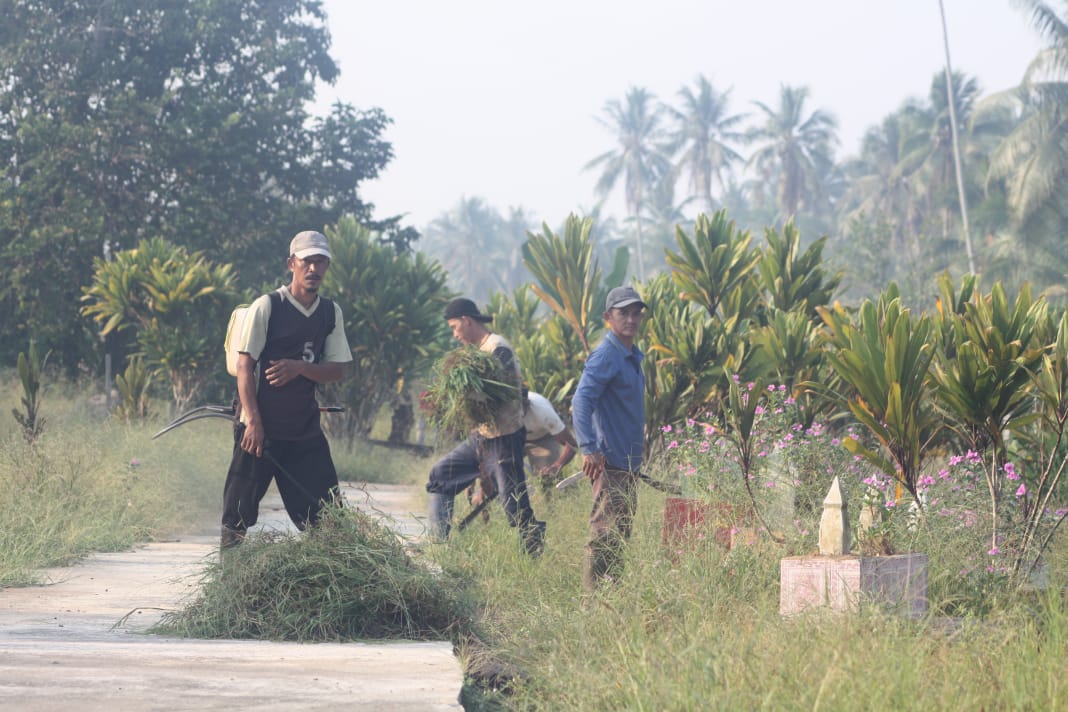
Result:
pixel 461 307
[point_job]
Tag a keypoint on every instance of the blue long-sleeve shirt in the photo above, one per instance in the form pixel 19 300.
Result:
pixel 608 409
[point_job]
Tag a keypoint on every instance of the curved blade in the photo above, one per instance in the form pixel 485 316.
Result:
pixel 189 418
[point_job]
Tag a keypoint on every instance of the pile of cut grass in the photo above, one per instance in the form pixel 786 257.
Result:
pixel 348 578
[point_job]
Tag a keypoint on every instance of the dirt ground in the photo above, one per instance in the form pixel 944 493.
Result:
pixel 78 641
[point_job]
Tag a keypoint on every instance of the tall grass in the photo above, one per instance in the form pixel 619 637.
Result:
pixel 91 484
pixel 695 627
pixel 699 628
pixel 366 462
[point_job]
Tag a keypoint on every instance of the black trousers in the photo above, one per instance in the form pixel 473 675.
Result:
pixel 306 480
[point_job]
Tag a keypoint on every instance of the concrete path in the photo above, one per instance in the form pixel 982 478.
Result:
pixel 78 642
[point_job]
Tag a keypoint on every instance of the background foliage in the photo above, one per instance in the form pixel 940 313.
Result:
pixel 123 121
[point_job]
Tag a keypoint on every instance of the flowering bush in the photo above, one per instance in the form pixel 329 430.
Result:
pixel 789 471
pixel 953 521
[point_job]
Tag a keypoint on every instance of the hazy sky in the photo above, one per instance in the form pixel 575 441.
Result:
pixel 499 99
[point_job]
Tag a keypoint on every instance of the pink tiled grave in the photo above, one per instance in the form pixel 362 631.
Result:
pixel 840 583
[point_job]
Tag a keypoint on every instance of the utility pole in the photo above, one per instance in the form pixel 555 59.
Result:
pixel 956 142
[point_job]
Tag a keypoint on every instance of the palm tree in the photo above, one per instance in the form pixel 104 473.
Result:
pixel 1033 159
pixel 959 172
pixel 882 186
pixel 935 157
pixel 638 158
pixel 661 215
pixel 703 132
pixel 467 241
pixel 933 161
pixel 791 147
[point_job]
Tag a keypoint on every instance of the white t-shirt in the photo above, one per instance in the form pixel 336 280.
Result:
pixel 252 340
pixel 541 419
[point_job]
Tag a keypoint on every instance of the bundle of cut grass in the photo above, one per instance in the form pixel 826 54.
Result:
pixel 347 578
pixel 468 387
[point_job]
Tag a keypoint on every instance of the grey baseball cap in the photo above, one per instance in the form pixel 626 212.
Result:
pixel 621 297
pixel 309 243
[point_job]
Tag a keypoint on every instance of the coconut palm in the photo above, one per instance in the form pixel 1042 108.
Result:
pixel 1033 159
pixel 881 182
pixel 639 158
pixel 467 240
pixel 932 164
pixel 935 156
pixel 659 218
pixel 793 149
pixel 703 134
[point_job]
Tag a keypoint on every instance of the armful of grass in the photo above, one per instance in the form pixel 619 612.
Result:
pixel 468 388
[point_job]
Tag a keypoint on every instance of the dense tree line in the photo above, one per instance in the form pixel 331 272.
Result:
pixel 185 120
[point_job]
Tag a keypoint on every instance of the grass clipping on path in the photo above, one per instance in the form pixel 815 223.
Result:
pixel 347 578
pixel 468 388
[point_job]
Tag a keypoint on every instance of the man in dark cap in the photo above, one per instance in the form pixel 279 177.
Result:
pixel 608 414
pixel 493 449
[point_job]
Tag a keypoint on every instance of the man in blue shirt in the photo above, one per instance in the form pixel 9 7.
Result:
pixel 608 414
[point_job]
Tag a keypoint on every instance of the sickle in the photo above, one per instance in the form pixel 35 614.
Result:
pixel 660 485
pixel 222 411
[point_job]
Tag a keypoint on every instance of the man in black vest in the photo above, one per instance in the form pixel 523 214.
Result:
pixel 292 340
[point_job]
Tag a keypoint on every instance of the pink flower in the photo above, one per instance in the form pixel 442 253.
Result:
pixel 666 429
pixel 1022 490
pixel 994 551
pixel 1010 471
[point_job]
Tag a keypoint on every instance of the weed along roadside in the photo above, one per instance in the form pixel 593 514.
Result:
pixel 127 630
